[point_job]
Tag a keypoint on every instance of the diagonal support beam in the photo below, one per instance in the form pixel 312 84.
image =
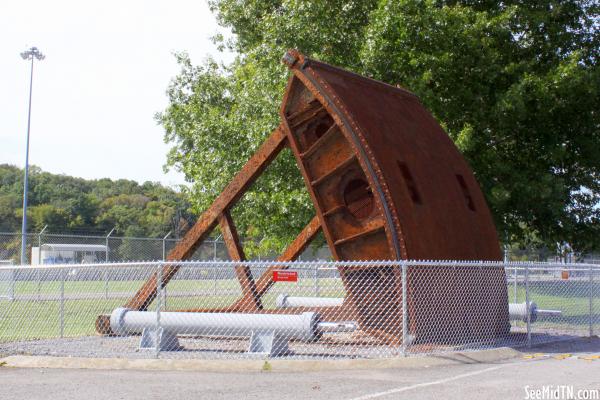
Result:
pixel 208 220
pixel 236 253
pixel 291 253
pixel 231 194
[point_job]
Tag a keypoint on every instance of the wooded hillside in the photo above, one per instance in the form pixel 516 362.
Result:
pixel 75 205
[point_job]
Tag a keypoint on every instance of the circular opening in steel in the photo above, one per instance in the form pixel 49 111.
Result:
pixel 358 198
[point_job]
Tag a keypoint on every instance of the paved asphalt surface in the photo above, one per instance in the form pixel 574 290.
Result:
pixel 576 364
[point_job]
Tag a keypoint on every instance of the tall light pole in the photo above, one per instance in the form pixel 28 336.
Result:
pixel 31 54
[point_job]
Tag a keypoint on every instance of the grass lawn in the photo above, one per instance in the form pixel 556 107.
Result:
pixel 38 318
pixel 570 297
pixel 35 318
pixel 175 285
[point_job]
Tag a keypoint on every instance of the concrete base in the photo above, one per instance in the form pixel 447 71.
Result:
pixel 153 339
pixel 268 343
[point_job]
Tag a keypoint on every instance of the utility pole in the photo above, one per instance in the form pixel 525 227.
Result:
pixel 31 54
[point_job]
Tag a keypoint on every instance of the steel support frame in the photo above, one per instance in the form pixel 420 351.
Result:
pixel 219 214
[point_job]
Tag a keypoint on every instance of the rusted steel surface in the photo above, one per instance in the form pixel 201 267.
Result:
pixel 147 293
pixel 243 273
pixel 265 281
pixel 230 195
pixel 291 253
pixel 208 220
pixel 102 325
pixel 388 183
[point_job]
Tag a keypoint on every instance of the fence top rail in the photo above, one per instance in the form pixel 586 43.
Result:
pixel 532 266
pixel 101 237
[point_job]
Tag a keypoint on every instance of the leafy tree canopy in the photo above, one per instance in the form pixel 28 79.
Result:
pixel 514 83
pixel 76 205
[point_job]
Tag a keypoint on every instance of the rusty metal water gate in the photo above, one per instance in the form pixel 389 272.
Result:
pixel 387 183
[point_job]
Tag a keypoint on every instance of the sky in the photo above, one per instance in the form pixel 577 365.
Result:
pixel 107 67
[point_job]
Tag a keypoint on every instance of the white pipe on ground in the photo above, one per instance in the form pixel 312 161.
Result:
pixel 299 326
pixel 285 301
pixel 269 333
pixel 518 312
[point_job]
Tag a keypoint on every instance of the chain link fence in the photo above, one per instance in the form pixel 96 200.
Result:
pixel 46 248
pixel 306 310
pixel 52 248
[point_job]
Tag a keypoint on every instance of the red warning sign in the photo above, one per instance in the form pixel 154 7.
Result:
pixel 285 276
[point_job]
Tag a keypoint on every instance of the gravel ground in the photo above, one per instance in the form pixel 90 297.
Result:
pixel 224 348
pixel 200 348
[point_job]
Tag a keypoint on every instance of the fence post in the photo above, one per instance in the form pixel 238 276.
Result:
pixel 158 335
pixel 62 302
pixel 515 272
pixel 40 245
pixel 39 281
pixel 164 245
pixel 107 254
pixel 164 257
pixel 107 244
pixel 527 305
pixel 12 285
pixel 215 248
pixel 38 278
pixel 316 279
pixel 591 279
pixel 215 271
pixel 404 310
pixel 515 285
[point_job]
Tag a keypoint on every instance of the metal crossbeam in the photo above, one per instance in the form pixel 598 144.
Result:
pixel 209 219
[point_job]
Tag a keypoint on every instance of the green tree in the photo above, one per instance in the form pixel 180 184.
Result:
pixel 67 204
pixel 515 84
pixel 46 214
pixel 9 221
